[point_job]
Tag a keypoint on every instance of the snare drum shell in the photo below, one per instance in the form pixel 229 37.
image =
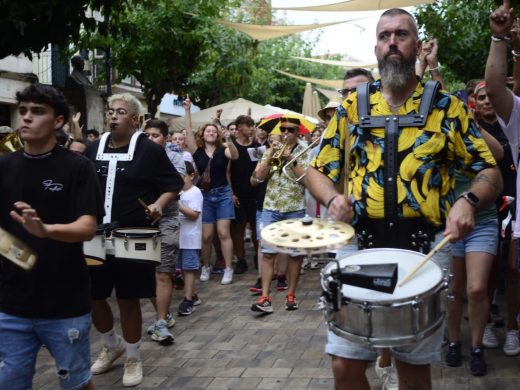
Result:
pixel 137 245
pixel 94 250
pixel 388 322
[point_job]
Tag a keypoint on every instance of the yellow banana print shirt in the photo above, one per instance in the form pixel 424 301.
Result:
pixel 428 156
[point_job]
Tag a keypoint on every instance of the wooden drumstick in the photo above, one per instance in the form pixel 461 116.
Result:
pixel 425 260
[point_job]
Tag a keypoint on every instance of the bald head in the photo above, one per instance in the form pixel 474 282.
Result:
pixel 392 12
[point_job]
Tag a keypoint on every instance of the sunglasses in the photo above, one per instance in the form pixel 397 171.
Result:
pixel 346 91
pixel 289 129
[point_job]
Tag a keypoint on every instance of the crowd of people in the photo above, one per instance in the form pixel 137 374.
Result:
pixel 453 174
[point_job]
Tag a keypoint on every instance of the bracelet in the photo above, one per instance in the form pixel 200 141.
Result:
pixel 331 200
pixel 515 53
pixel 432 69
pixel 496 38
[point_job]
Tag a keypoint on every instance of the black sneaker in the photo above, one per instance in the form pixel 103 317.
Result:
pixel 290 302
pixel 186 308
pixel 281 285
pixel 454 357
pixel 257 288
pixel 477 364
pixel 196 300
pixel 263 305
pixel 241 267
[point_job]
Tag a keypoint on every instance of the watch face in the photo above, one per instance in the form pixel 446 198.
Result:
pixel 473 197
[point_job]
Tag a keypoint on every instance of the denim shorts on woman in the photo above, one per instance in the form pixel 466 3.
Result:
pixel 271 216
pixel 483 238
pixel 67 340
pixel 218 205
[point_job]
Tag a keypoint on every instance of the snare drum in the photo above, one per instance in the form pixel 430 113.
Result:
pixel 408 315
pixel 94 250
pixel 137 245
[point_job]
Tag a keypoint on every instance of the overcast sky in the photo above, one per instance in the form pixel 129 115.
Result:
pixel 356 38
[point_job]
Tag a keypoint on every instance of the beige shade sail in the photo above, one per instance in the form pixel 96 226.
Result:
pixel 330 94
pixel 360 5
pixel 336 84
pixel 264 32
pixel 230 111
pixel 345 64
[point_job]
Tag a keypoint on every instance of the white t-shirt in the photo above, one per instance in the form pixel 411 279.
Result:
pixel 512 132
pixel 190 234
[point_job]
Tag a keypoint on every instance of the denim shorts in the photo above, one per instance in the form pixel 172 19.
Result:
pixel 218 204
pixel 258 225
pixel 426 351
pixel 189 259
pixel 272 216
pixel 67 339
pixel 483 238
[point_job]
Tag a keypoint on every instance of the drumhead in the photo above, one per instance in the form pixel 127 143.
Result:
pixel 135 232
pixel 429 276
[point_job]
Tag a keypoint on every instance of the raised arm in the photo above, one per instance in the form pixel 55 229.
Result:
pixel 433 62
pixel 190 138
pixel 500 21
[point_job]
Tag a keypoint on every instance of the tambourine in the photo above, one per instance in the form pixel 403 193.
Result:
pixel 16 251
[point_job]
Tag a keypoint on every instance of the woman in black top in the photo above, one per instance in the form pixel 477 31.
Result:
pixel 210 154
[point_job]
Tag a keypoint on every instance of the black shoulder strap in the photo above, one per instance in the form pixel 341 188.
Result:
pixel 363 100
pixel 428 97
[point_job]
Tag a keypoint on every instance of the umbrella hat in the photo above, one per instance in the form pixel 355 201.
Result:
pixel 271 123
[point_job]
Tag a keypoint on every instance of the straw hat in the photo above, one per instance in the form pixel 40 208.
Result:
pixel 331 104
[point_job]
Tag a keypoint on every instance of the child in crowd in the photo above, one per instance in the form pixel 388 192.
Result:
pixel 179 139
pixel 190 235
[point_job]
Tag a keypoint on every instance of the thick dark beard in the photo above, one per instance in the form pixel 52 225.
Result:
pixel 396 74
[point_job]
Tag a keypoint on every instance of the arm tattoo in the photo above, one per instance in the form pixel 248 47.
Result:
pixel 481 177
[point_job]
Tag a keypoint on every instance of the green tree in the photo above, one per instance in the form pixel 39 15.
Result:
pixel 30 25
pixel 160 43
pixel 462 29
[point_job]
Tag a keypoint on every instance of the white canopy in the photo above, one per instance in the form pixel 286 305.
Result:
pixel 230 111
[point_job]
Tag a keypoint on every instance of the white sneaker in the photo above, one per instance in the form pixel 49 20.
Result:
pixel 107 357
pixel 511 345
pixel 170 323
pixel 133 373
pixel 228 276
pixel 204 273
pixel 489 340
pixel 387 375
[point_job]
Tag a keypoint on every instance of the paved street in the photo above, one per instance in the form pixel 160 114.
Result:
pixel 223 345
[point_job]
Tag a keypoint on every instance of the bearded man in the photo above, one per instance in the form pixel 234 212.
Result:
pixel 406 141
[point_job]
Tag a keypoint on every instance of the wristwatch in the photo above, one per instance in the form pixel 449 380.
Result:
pixel 471 198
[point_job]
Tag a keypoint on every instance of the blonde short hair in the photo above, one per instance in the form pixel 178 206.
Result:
pixel 133 103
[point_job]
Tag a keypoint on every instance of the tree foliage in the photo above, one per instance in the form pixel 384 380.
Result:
pixel 30 25
pixel 160 43
pixel 462 29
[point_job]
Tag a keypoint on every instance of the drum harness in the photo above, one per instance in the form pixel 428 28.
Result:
pixel 404 233
pixel 410 233
pixel 112 159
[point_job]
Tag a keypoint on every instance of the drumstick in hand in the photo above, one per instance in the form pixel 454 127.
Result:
pixel 425 260
pixel 145 206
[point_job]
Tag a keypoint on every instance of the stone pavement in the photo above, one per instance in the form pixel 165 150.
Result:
pixel 224 345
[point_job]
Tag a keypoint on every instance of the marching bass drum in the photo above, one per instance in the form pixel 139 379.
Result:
pixel 142 245
pixel 408 315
